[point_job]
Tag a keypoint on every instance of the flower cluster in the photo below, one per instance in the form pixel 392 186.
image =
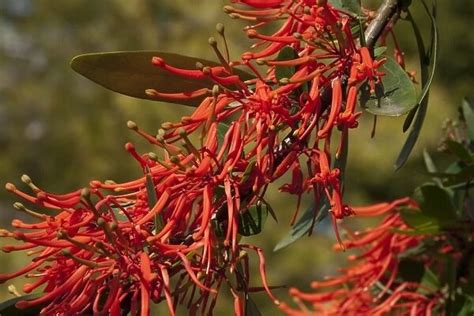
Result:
pixel 373 283
pixel 114 247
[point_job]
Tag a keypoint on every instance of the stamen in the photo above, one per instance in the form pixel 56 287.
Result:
pixel 91 264
pixel 62 234
pixel 86 197
pixel 20 207
pixel 134 127
pixel 27 180
pixel 221 30
pixel 107 230
pixel 13 290
pixel 188 144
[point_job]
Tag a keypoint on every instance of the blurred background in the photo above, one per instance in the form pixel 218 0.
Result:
pixel 64 130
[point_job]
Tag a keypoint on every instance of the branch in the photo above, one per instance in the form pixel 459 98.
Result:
pixel 385 13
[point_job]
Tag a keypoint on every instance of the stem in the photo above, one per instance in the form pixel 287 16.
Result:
pixel 384 14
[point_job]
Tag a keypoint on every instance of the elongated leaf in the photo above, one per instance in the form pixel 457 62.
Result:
pixel 430 281
pixel 286 53
pixel 251 309
pixel 8 308
pixel 431 167
pixel 416 251
pixel 420 222
pixel 458 174
pixel 435 202
pixel 341 161
pixel 252 220
pixel 468 114
pixel 427 59
pixel 131 73
pixel 152 200
pixel 394 97
pixel 303 225
pixel 222 129
pixel 379 51
pixel 426 80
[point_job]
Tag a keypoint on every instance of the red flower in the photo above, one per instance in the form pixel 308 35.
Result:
pixel 370 284
pixel 173 234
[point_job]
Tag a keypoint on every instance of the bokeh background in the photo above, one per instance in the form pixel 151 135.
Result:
pixel 64 130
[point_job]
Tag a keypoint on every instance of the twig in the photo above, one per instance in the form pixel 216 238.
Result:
pixel 384 14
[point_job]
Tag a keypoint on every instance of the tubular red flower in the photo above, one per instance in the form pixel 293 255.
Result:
pixel 369 285
pixel 111 232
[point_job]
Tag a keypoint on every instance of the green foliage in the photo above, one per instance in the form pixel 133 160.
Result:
pixel 131 73
pixel 286 53
pixel 428 59
pixel 251 309
pixel 8 308
pixel 305 224
pixel 395 96
pixel 444 211
pixel 468 115
pixel 252 219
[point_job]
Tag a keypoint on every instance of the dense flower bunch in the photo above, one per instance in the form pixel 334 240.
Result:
pixel 117 246
pixel 373 283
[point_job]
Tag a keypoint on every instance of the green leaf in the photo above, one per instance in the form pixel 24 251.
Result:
pixel 435 202
pixel 468 114
pixel 131 73
pixel 459 150
pixel 409 118
pixel 8 308
pixel 421 223
pixel 152 200
pixel 222 129
pixel 117 209
pixel 426 79
pixel 414 251
pixel 304 224
pixel 251 309
pixel 462 187
pixel 353 6
pixel 252 219
pixel 430 166
pixel 430 280
pixel 341 161
pixel 286 53
pixel 465 174
pixel 394 97
pixel 379 51
pixel 467 309
pixel 455 168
